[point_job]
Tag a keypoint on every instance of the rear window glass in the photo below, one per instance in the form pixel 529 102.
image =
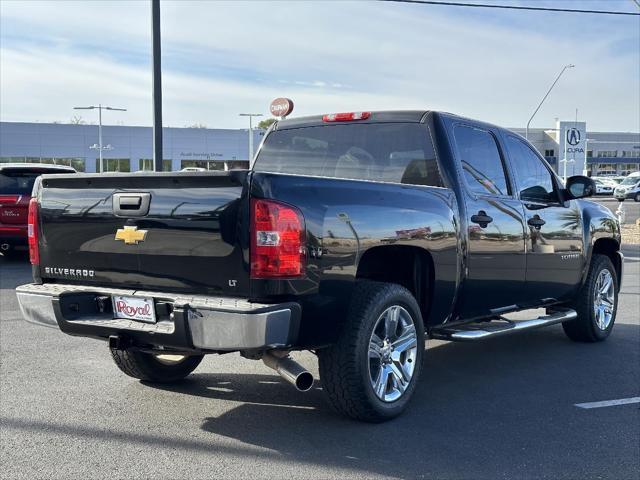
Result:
pixel 386 152
pixel 17 183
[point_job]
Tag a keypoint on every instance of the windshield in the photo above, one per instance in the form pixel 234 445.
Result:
pixel 630 181
pixel 386 152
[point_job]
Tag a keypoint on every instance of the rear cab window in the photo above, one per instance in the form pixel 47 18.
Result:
pixel 383 152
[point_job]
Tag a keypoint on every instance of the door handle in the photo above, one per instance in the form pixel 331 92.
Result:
pixel 481 218
pixel 536 222
pixel 129 204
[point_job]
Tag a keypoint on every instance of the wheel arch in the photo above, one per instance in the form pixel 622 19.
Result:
pixel 611 248
pixel 406 265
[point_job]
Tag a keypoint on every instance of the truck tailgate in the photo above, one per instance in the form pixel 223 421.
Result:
pixel 95 229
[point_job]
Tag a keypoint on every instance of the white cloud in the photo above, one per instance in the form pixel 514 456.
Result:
pixel 223 58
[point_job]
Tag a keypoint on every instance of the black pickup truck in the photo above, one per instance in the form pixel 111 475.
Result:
pixel 355 236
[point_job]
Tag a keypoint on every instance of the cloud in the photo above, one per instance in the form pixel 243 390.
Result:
pixel 222 58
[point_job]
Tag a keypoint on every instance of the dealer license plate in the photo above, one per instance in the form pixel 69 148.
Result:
pixel 134 308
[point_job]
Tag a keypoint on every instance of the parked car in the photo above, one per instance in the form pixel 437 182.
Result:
pixel 356 236
pixel 603 187
pixel 629 188
pixel 617 180
pixel 16 183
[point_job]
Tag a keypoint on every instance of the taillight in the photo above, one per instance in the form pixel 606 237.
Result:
pixel 346 117
pixel 9 199
pixel 277 240
pixel 32 232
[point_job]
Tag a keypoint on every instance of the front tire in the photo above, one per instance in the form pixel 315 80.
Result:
pixel 371 372
pixel 637 197
pixel 156 368
pixel 596 303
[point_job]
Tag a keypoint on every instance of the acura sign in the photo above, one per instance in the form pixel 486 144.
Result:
pixel 572 137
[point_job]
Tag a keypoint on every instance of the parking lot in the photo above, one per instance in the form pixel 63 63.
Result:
pixel 631 208
pixel 501 408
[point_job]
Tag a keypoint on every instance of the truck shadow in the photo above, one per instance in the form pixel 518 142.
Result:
pixel 493 406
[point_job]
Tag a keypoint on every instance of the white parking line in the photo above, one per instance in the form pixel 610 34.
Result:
pixel 609 403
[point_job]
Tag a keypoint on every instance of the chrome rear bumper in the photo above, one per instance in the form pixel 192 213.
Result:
pixel 194 322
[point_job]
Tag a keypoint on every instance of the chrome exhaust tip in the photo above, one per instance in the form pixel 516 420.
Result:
pixel 290 370
pixel 4 247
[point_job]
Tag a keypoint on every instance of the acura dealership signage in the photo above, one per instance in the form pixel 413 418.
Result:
pixel 573 147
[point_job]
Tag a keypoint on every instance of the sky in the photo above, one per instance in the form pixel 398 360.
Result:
pixel 220 59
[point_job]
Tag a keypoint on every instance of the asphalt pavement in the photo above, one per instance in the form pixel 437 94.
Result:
pixel 502 408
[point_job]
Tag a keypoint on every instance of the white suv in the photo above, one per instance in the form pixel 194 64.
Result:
pixel 629 188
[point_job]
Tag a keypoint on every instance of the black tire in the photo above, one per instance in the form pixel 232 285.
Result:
pixel 585 327
pixel 345 366
pixel 620 200
pixel 637 197
pixel 147 367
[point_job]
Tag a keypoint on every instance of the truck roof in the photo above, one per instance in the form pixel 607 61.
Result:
pixel 410 116
pixel 383 116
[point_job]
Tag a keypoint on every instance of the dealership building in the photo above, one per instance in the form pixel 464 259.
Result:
pixel 124 148
pixel 129 149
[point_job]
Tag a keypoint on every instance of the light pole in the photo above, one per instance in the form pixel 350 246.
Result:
pixel 100 108
pixel 526 135
pixel 250 115
pixel 585 168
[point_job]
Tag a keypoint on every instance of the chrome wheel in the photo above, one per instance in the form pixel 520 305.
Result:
pixel 393 349
pixel 604 299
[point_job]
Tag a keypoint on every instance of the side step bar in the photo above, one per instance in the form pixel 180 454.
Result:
pixel 479 331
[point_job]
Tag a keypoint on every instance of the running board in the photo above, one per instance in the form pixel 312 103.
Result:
pixel 470 332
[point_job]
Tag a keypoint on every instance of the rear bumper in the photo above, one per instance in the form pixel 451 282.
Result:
pixel 185 322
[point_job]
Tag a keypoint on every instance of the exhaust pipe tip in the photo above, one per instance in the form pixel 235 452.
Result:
pixel 304 381
pixel 290 370
pixel 5 247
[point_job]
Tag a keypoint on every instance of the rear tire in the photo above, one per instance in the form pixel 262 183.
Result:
pixel 371 372
pixel 596 303
pixel 153 368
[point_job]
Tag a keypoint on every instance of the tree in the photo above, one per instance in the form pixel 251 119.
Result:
pixel 77 120
pixel 266 123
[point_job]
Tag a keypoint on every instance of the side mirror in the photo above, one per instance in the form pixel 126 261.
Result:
pixel 580 186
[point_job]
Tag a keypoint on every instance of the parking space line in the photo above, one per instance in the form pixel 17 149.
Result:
pixel 608 403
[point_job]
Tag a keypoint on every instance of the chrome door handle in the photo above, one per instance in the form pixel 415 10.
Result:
pixel 481 218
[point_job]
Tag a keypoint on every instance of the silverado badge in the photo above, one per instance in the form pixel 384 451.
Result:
pixel 131 235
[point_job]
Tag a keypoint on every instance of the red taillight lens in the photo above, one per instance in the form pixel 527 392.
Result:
pixel 32 232
pixel 277 240
pixel 8 199
pixel 346 117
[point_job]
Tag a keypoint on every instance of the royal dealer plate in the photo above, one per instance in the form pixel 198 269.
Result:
pixel 134 308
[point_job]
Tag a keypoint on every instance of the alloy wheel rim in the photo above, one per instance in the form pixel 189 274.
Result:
pixel 604 299
pixel 393 349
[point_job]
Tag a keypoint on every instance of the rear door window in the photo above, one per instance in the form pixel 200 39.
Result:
pixel 386 152
pixel 481 161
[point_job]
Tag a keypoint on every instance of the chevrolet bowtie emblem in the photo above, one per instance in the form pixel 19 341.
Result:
pixel 131 235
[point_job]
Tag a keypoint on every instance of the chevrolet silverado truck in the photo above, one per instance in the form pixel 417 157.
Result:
pixel 355 236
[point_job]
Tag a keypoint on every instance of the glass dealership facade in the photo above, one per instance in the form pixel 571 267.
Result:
pixel 129 149
pixel 125 149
